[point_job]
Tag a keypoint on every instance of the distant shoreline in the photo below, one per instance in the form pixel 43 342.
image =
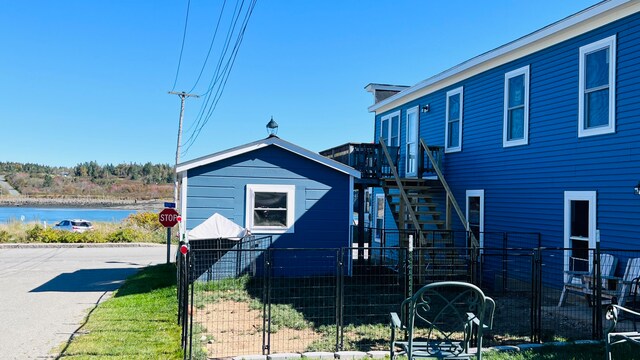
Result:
pixel 88 203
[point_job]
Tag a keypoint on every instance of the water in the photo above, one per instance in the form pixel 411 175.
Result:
pixel 53 216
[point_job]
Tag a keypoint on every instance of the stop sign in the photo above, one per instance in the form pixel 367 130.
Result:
pixel 168 217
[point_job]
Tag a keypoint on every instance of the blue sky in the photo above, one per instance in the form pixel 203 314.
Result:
pixel 87 80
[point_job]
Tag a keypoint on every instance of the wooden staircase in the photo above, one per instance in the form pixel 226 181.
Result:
pixel 420 197
pixel 413 208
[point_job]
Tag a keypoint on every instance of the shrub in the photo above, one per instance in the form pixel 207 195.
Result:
pixel 5 237
pixel 145 220
pixel 125 235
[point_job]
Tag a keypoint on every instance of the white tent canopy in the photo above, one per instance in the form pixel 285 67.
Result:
pixel 217 227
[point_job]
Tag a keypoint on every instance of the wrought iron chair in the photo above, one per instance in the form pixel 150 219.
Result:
pixel 615 313
pixel 440 321
pixel 576 281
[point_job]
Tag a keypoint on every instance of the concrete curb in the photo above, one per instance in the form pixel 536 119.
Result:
pixel 77 245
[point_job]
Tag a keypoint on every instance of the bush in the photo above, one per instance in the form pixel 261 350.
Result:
pixel 145 220
pixel 125 235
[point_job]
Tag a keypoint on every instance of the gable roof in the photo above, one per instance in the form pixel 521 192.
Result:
pixel 270 141
pixel 586 20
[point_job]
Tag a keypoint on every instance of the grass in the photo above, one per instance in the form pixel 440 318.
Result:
pixel 139 322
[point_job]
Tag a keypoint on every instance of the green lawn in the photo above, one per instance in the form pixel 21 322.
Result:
pixel 139 322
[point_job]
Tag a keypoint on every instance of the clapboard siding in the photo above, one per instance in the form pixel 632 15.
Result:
pixel 524 185
pixel 322 194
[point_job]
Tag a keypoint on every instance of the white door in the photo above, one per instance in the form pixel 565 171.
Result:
pixel 378 218
pixel 475 214
pixel 579 229
pixel 411 157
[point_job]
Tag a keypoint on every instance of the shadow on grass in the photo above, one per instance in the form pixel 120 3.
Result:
pixel 149 279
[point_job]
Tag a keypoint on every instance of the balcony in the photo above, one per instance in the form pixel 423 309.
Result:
pixel 373 165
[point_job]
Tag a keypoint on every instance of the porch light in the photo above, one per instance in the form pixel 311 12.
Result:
pixel 272 127
pixel 636 190
pixel 425 108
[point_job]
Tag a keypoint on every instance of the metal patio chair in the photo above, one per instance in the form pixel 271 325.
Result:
pixel 579 281
pixel 441 319
pixel 615 313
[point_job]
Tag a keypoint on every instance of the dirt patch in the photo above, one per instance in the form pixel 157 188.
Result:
pixel 232 328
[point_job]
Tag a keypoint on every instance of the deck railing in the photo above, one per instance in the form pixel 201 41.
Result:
pixel 366 158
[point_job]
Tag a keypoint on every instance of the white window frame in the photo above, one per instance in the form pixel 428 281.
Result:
pixel 569 196
pixel 478 194
pixel 388 118
pixel 290 190
pixel 377 233
pixel 609 43
pixel 409 141
pixel 447 148
pixel 505 129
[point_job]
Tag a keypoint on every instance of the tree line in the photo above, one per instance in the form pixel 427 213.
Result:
pixel 148 173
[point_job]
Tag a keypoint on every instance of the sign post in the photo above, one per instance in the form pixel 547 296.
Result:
pixel 168 217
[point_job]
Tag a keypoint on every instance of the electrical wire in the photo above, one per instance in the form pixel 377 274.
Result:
pixel 221 75
pixel 213 38
pixel 184 36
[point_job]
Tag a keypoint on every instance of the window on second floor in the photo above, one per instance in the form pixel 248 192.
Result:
pixel 453 128
pixel 516 107
pixel 390 129
pixel 596 114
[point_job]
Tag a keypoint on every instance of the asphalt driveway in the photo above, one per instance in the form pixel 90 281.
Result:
pixel 45 293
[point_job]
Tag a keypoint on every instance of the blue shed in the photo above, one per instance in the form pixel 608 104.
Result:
pixel 272 187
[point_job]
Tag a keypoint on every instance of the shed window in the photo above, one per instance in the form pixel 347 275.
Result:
pixel 270 208
pixel 597 88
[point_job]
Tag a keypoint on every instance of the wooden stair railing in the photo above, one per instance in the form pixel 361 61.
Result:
pixel 403 194
pixel 463 219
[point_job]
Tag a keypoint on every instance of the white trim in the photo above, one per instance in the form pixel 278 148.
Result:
pixel 377 235
pixel 251 189
pixel 183 206
pixel 450 93
pixel 609 43
pixel 351 197
pixel 505 126
pixel 388 118
pixel 413 110
pixel 569 196
pixel 384 87
pixel 567 28
pixel 480 194
pixel 272 140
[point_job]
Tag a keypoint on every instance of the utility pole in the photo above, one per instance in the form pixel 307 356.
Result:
pixel 183 95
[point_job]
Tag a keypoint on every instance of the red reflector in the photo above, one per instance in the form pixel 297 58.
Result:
pixel 184 249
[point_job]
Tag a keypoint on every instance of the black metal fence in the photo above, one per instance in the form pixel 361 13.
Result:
pixel 262 300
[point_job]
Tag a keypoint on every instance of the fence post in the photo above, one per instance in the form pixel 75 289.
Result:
pixel 340 298
pixel 596 330
pixel 410 265
pixel 536 296
pixel 266 303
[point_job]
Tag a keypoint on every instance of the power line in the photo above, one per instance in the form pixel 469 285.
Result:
pixel 213 38
pixel 221 76
pixel 184 36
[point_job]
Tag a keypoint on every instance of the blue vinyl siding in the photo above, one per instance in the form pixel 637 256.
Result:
pixel 321 195
pixel 524 186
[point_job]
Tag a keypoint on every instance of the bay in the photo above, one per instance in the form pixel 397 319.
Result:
pixel 54 215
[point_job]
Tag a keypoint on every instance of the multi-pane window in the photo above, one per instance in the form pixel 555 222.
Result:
pixel 516 107
pixel 597 87
pixel 390 129
pixel 453 128
pixel 270 208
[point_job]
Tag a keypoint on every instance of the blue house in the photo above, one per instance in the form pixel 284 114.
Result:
pixel 539 135
pixel 272 187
